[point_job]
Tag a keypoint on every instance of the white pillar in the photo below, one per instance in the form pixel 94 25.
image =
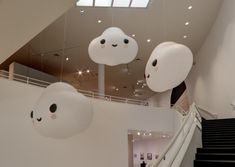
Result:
pixel 101 78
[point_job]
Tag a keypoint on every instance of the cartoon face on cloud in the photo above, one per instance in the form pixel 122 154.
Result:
pixel 113 47
pixel 61 111
pixel 168 66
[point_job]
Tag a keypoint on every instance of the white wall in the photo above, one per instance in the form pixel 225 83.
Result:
pixel 21 20
pixel 103 144
pixel 212 78
pixel 154 146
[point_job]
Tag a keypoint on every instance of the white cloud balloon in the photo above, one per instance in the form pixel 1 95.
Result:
pixel 113 47
pixel 168 66
pixel 61 111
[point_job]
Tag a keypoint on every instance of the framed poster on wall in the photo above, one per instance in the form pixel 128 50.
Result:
pixel 141 156
pixel 149 156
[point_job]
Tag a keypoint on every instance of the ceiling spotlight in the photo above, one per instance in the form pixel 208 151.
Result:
pixel 67 59
pixel 82 11
pixel 164 136
pixel 88 71
pixel 185 36
pixel 150 134
pixel 187 23
pixel 190 7
pixel 117 89
pixel 138 133
pixel 148 40
pixel 133 35
pixel 99 21
pixel 79 72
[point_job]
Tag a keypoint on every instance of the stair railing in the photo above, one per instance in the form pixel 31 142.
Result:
pixel 168 156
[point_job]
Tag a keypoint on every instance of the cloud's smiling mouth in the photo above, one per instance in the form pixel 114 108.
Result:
pixel 39 119
pixel 114 45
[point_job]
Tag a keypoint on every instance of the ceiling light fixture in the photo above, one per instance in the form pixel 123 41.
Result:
pixel 99 21
pixel 88 71
pixel 82 11
pixel 117 89
pixel 148 40
pixel 190 7
pixel 185 36
pixel 187 23
pixel 138 133
pixel 114 3
pixel 79 72
pixel 67 59
pixel 133 35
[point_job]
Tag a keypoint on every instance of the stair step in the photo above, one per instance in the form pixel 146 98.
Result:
pixel 216 150
pixel 214 163
pixel 215 156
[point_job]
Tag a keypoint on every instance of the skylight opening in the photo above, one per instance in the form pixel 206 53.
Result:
pixel 114 3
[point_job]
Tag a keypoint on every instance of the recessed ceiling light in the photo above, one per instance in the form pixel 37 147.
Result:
pixel 82 11
pixel 138 133
pixel 80 72
pixel 190 7
pixel 88 71
pixel 117 89
pixel 187 23
pixel 67 59
pixel 150 134
pixel 99 21
pixel 148 40
pixel 164 136
pixel 133 35
pixel 185 36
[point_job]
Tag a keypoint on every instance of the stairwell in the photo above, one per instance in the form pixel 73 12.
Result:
pixel 218 140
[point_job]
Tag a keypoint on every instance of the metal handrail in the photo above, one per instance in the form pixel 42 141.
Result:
pixel 91 94
pixel 174 139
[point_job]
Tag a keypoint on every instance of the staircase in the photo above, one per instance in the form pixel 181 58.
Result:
pixel 218 140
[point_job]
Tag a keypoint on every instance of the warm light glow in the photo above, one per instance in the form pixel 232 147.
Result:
pixel 67 59
pixel 88 71
pixel 117 89
pixel 187 23
pixel 190 7
pixel 138 133
pixel 185 36
pixel 99 21
pixel 133 35
pixel 148 40
pixel 80 72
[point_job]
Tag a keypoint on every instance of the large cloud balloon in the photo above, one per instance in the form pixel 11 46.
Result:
pixel 61 111
pixel 113 47
pixel 168 66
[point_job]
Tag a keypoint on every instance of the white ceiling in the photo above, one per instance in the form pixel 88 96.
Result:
pixel 163 20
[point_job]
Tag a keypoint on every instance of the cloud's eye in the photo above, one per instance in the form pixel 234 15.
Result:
pixel 53 108
pixel 31 114
pixel 126 41
pixel 102 41
pixel 154 63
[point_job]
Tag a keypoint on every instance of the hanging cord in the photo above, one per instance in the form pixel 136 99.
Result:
pixel 63 47
pixel 164 20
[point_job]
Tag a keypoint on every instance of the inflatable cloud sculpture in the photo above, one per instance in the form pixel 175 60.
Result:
pixel 61 111
pixel 113 47
pixel 168 66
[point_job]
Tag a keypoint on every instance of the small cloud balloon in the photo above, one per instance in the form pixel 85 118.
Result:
pixel 61 111
pixel 166 69
pixel 113 47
